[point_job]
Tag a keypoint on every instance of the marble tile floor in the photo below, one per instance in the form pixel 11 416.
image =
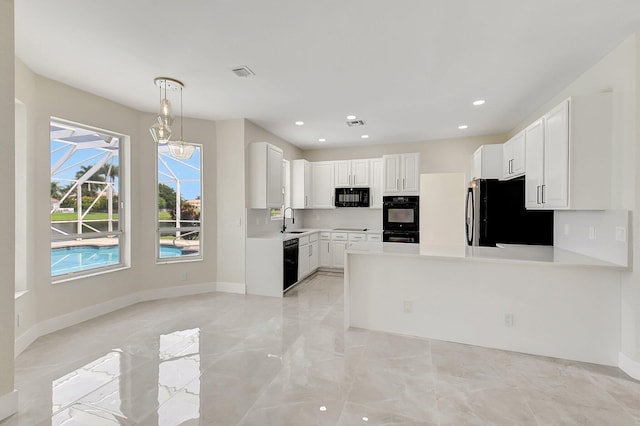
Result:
pixel 226 359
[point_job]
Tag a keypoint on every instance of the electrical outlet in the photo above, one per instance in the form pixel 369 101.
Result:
pixel 407 306
pixel 592 232
pixel 184 276
pixel 508 320
pixel 621 234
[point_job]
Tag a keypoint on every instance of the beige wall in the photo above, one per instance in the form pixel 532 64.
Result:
pixel 231 201
pixel 439 156
pixel 44 98
pixel 7 182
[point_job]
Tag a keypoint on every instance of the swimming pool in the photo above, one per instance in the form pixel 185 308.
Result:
pixel 65 260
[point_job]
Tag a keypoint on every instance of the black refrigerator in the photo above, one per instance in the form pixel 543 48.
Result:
pixel 495 214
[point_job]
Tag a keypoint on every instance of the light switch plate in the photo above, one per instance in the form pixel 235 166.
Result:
pixel 592 232
pixel 621 234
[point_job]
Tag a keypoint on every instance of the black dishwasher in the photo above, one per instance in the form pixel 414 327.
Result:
pixel 290 275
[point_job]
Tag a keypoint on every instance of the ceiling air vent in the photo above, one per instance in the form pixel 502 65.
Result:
pixel 355 123
pixel 243 71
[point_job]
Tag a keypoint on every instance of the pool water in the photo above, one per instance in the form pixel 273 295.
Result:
pixel 73 259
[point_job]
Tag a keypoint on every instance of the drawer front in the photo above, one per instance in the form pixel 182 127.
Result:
pixel 374 237
pixel 325 235
pixel 303 240
pixel 313 237
pixel 339 236
pixel 357 237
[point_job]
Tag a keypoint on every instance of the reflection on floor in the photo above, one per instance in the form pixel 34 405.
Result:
pixel 231 359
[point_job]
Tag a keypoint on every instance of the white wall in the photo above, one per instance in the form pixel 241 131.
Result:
pixel 618 72
pixel 571 232
pixel 7 185
pixel 569 312
pixel 440 156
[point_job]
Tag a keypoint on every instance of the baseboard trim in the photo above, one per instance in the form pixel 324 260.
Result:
pixel 67 320
pixel 629 366
pixel 8 404
pixel 237 288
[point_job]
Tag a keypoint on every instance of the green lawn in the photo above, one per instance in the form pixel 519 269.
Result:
pixel 96 216
pixel 74 216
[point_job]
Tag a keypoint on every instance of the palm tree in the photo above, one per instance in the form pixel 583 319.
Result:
pixel 55 190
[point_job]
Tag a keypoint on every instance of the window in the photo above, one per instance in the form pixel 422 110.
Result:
pixel 179 206
pixel 86 200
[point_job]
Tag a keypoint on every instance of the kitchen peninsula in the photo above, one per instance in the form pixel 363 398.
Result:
pixel 532 299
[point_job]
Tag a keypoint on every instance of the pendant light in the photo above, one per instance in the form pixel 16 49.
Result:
pixel 161 131
pixel 180 149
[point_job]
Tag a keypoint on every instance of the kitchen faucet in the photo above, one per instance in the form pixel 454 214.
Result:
pixel 284 218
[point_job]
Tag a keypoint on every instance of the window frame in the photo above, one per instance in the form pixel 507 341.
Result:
pixel 123 212
pixel 180 259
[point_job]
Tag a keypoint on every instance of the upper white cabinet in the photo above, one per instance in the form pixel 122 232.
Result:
pixel 301 184
pixel 568 156
pixel 513 157
pixel 322 191
pixel 377 176
pixel 351 173
pixel 265 180
pixel 486 162
pixel 401 174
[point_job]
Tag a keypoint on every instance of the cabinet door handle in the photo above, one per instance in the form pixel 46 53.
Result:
pixel 403 184
pixel 306 201
pixel 538 194
pixel 310 250
pixel 542 193
pixel 397 183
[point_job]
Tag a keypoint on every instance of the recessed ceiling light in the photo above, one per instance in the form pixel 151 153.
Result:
pixel 322 140
pixel 463 126
pixel 365 136
pixel 299 123
pixel 479 102
pixel 351 117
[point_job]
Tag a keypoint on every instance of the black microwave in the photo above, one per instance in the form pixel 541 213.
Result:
pixel 352 197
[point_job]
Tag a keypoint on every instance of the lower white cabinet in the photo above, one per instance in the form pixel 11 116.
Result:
pixel 308 255
pixel 337 253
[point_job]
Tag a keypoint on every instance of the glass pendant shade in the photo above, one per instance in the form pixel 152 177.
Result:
pixel 166 112
pixel 181 150
pixel 160 133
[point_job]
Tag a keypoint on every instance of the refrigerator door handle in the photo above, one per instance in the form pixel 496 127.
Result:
pixel 470 216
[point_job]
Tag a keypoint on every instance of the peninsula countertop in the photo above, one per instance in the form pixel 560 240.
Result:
pixel 530 254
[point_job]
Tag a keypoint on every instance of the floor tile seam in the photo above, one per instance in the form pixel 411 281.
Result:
pixel 354 376
pixel 531 411
pixel 260 395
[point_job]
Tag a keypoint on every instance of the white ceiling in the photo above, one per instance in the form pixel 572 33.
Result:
pixel 409 68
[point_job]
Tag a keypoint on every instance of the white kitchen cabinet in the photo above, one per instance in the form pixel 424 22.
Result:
pixel 301 184
pixel 322 179
pixel 325 249
pixel 376 167
pixel 534 160
pixel 337 253
pixel 314 256
pixel 513 157
pixel 486 162
pixel 568 156
pixel 303 261
pixel 265 177
pixel 374 237
pixel 401 174
pixel 351 173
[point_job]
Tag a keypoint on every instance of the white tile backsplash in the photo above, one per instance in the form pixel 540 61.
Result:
pixel 602 234
pixel 348 217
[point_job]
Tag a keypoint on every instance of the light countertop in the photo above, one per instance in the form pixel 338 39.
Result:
pixel 301 232
pixel 505 253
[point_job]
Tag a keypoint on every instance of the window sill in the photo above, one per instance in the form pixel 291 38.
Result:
pixel 170 261
pixel 19 294
pixel 88 275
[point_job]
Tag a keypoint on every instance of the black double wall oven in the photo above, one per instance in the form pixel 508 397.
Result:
pixel 401 219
